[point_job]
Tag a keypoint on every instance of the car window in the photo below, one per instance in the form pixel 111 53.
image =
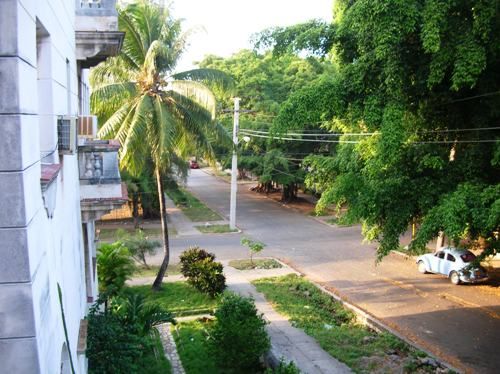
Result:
pixel 440 255
pixel 468 257
pixel 450 258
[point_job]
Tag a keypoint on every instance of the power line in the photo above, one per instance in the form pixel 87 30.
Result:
pixel 357 141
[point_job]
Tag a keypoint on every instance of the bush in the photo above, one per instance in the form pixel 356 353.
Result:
pixel 114 267
pixel 283 368
pixel 189 257
pixel 139 245
pixel 239 337
pixel 209 277
pixel 202 272
pixel 112 346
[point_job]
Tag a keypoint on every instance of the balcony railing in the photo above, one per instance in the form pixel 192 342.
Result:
pixel 98 162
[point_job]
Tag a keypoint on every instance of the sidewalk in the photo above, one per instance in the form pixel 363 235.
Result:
pixel 286 341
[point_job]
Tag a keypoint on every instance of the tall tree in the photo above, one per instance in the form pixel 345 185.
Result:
pixel 419 86
pixel 156 115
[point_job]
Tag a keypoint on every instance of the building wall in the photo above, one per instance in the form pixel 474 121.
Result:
pixel 38 82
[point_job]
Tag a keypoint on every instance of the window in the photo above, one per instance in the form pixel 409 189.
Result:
pixel 450 258
pixel 468 257
pixel 440 255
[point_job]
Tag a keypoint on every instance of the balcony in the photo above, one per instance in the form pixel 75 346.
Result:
pixel 96 31
pixel 101 189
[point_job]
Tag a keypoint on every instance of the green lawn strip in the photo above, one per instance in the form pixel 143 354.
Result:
pixel 108 234
pixel 193 208
pixel 192 346
pixel 142 271
pixel 326 320
pixel 258 263
pixel 215 229
pixel 178 297
pixel 154 360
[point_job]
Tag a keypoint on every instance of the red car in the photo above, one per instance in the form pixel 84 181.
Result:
pixel 193 164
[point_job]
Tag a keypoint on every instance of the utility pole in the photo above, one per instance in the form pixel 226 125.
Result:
pixel 234 165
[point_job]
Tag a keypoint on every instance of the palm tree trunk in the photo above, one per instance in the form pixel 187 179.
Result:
pixel 164 229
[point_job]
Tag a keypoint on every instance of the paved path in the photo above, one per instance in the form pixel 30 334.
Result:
pixel 459 324
pixel 287 341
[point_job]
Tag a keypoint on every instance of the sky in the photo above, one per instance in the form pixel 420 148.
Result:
pixel 223 27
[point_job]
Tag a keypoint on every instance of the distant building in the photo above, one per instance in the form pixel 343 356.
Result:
pixel 55 181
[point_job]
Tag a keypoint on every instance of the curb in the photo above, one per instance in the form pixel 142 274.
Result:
pixel 369 320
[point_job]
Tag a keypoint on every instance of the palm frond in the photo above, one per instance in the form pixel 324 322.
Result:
pixel 197 92
pixel 112 125
pixel 214 76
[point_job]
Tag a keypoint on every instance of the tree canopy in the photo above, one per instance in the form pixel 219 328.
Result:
pixel 416 98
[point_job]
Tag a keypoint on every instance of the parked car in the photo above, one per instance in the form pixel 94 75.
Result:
pixel 457 264
pixel 193 164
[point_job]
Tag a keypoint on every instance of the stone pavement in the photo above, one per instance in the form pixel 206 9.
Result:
pixel 169 348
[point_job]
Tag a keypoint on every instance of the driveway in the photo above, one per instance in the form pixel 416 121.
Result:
pixel 460 324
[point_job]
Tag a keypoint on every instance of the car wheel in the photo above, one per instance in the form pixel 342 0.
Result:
pixel 421 267
pixel 454 278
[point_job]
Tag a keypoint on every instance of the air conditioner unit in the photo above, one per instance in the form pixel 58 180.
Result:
pixel 87 127
pixel 66 134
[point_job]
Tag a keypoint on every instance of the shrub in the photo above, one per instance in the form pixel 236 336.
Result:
pixel 114 267
pixel 202 272
pixel 112 346
pixel 239 337
pixel 139 245
pixel 189 257
pixel 284 368
pixel 209 277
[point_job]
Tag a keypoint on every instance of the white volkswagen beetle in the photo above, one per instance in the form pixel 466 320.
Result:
pixel 456 264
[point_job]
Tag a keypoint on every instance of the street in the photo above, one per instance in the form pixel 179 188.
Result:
pixel 460 324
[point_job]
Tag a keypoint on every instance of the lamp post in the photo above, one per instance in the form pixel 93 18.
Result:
pixel 234 165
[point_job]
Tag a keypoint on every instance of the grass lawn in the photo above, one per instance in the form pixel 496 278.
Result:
pixel 179 298
pixel 258 263
pixel 215 229
pixel 107 234
pixel 142 271
pixel 333 326
pixel 154 361
pixel 191 340
pixel 193 208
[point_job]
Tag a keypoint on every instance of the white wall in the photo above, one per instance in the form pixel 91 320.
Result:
pixel 51 250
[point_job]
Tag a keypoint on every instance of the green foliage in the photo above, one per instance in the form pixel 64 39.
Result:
pixel 329 323
pixel 209 277
pixel 181 298
pixel 255 247
pixel 192 340
pixel 114 267
pixel 190 256
pixel 139 245
pixel 202 272
pixel 112 347
pixel 315 37
pixel 416 84
pixel 284 368
pixel 141 316
pixel 239 337
pixel 121 338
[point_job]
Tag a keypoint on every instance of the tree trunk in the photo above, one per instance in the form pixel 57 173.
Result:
pixel 135 209
pixel 164 229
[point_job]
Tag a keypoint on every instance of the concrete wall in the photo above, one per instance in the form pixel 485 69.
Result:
pixel 37 253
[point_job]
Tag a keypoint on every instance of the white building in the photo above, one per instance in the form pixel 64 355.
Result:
pixel 51 192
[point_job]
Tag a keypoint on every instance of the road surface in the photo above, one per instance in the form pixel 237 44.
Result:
pixel 460 324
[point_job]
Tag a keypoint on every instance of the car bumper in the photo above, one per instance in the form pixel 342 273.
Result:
pixel 478 279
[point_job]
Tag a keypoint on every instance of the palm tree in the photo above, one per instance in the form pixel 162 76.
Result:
pixel 157 116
